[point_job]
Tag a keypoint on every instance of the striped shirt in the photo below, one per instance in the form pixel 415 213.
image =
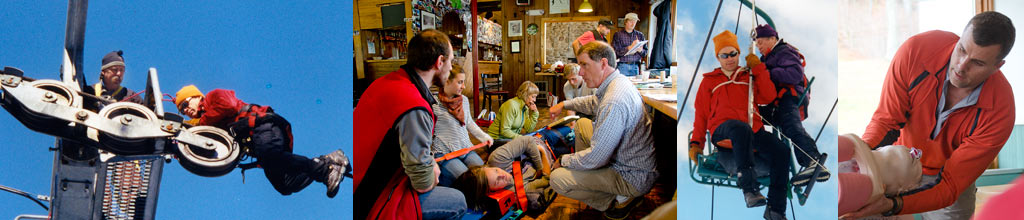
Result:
pixel 622 133
pixel 451 136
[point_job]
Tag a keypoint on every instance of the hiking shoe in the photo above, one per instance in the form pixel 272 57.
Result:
pixel 804 176
pixel 754 198
pixel 334 176
pixel 336 157
pixel 621 211
pixel 772 215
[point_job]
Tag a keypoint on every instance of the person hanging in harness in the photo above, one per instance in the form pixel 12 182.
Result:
pixel 109 87
pixel 598 34
pixel 724 107
pixel 786 65
pixel 267 136
pixel 394 126
pixel 945 95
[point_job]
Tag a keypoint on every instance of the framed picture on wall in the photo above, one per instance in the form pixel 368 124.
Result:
pixel 515 28
pixel 427 21
pixel 513 46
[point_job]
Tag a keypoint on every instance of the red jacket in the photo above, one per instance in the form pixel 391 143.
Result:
pixel 220 106
pixel 720 98
pixel 970 138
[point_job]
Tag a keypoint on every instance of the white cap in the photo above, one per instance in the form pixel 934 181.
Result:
pixel 633 16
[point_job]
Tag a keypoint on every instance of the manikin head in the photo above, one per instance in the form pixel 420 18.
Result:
pixel 900 168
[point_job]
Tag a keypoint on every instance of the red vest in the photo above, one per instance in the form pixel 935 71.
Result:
pixel 380 106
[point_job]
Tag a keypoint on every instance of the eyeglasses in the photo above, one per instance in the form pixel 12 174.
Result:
pixel 184 104
pixel 730 54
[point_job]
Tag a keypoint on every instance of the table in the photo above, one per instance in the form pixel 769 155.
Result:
pixel 655 98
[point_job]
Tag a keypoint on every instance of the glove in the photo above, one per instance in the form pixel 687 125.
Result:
pixel 695 149
pixel 752 60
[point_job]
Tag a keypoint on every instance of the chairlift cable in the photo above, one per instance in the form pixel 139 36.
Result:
pixel 25 194
pixel 826 120
pixel 702 51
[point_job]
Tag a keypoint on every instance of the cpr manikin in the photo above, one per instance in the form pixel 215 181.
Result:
pixel 866 175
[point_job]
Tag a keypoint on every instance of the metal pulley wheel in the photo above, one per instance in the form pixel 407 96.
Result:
pixel 127 115
pixel 219 161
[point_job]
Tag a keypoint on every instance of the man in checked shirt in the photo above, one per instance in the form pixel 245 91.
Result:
pixel 617 169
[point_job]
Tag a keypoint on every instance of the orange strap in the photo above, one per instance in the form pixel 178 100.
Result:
pixel 546 145
pixel 517 173
pixel 459 153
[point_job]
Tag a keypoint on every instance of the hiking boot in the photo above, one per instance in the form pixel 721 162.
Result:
pixel 754 198
pixel 336 157
pixel 772 215
pixel 804 176
pixel 621 211
pixel 334 176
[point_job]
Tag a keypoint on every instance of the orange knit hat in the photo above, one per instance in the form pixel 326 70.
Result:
pixel 725 39
pixel 186 92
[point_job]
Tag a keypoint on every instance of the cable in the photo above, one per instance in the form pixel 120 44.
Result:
pixel 702 51
pixel 826 120
pixel 25 194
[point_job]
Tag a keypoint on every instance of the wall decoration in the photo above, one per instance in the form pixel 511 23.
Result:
pixel 427 21
pixel 490 32
pixel 622 22
pixel 558 6
pixel 513 46
pixel 522 2
pixel 558 38
pixel 532 29
pixel 515 28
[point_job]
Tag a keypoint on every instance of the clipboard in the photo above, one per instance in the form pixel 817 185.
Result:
pixel 639 45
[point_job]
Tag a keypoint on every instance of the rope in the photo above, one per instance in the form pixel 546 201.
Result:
pixel 133 96
pixel 813 159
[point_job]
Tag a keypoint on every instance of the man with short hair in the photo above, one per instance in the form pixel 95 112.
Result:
pixel 109 87
pixel 614 173
pixel 785 64
pixel 603 28
pixel 395 124
pixel 628 37
pixel 944 94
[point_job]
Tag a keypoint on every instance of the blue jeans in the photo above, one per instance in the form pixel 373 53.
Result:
pixel 628 69
pixel 443 203
pixel 451 169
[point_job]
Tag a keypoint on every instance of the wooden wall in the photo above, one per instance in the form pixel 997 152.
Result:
pixel 518 67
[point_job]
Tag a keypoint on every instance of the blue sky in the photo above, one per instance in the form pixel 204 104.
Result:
pixel 803 24
pixel 292 55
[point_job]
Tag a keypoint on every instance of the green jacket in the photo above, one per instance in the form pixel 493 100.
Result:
pixel 514 117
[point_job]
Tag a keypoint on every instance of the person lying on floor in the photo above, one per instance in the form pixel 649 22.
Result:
pixel 539 151
pixel 452 129
pixel 866 175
